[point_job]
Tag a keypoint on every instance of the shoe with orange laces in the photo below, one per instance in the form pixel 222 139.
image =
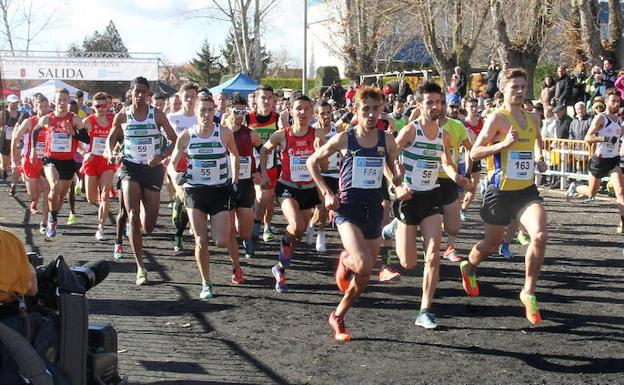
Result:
pixel 451 254
pixel 280 279
pixel 237 276
pixel 532 309
pixel 340 329
pixel 389 275
pixel 469 280
pixel 343 275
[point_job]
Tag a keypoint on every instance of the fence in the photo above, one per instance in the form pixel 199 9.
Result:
pixel 567 159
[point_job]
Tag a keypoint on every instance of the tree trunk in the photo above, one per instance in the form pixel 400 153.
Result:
pixel 615 32
pixel 589 30
pixel 257 52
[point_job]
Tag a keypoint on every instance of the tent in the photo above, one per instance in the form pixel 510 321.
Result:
pixel 239 83
pixel 48 89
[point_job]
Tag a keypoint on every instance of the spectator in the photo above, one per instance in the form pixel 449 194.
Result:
pixel 488 107
pixel 597 84
pixel 336 92
pixel 581 122
pixel 578 79
pixel 404 89
pixel 498 99
pixel 609 71
pixel 562 122
pixel 549 123
pixel 491 78
pixel 563 87
pixel 548 90
pixel 528 105
pixel 619 83
pixel 500 76
pixel 539 109
pixel 462 82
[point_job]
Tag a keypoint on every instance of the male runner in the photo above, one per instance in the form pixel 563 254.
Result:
pixel 209 147
pixel 63 132
pixel 11 117
pixel 138 126
pixel 511 136
pixel 295 189
pixel 474 122
pixel 366 150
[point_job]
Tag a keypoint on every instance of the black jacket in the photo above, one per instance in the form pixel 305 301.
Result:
pixel 564 91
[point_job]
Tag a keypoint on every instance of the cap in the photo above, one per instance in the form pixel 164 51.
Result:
pixel 598 105
pixel 12 98
pixel 559 108
pixel 452 99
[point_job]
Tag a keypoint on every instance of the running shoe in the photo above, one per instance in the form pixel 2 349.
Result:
pixel 451 254
pixel 589 201
pixel 268 235
pixel 141 277
pixel 42 228
pixel 170 205
pixel 469 280
pixel 462 216
pixel 12 189
pixel 237 276
pixel 33 207
pixel 280 279
pixel 250 248
pixel 620 228
pixel 71 219
pixel 426 320
pixel 343 275
pixel 309 236
pixel 112 193
pixel 78 189
pixel 388 275
pixel 505 252
pixel 482 187
pixel 255 232
pixel 389 230
pixel 178 248
pixel 117 251
pixel 50 232
pixel 321 246
pixel 340 329
pixel 99 234
pixel 523 239
pixel 570 191
pixel 127 230
pixel 206 291
pixel 532 309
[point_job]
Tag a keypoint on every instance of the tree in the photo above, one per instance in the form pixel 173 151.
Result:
pixel 592 46
pixel 521 31
pixel 21 25
pixel 452 42
pixel 232 63
pixel 108 41
pixel 205 68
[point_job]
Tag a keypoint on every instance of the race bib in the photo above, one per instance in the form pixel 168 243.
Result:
pixel 520 165
pixel 141 149
pixel 205 172
pixel 333 162
pixel 99 144
pixel 367 172
pixel 61 142
pixel 424 175
pixel 40 149
pixel 270 160
pixel 8 132
pixel 298 170
pixel 244 169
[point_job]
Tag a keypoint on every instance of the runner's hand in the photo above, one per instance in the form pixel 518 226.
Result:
pixel 257 178
pixel 155 160
pixel 541 166
pixel 265 182
pixel 403 193
pixel 510 138
pixel 331 202
pixel 33 157
pixel 88 156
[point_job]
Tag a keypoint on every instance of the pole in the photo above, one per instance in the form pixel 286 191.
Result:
pixel 304 77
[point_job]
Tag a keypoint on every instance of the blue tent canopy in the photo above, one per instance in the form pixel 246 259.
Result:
pixel 239 83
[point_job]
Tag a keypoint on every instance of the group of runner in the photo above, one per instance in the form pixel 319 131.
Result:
pixel 229 166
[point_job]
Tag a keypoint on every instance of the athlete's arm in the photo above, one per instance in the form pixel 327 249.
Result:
pixel 255 138
pixel 79 131
pixel 449 166
pixel 277 139
pixel 319 140
pixel 467 143
pixel 592 134
pixel 179 149
pixel 163 122
pixel 483 146
pixel 18 134
pixel 335 144
pixel 115 135
pixel 43 121
pixel 230 144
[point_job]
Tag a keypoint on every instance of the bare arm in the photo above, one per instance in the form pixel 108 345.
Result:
pixel 335 144
pixel 592 134
pixel 278 138
pixel 43 121
pixel 493 127
pixel 179 149
pixel 230 144
pixel 163 122
pixel 115 135
pixel 18 134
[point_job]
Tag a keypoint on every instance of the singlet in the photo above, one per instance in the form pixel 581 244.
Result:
pixel 475 128
pixel 333 162
pixel 98 135
pixel 181 122
pixel 247 162
pixel 457 134
pixel 610 128
pixel 399 122
pixel 9 124
pixel 265 130
pixel 142 139
pixel 294 156
pixel 513 168
pixel 422 160
pixel 207 159
pixel 361 170
pixel 60 144
pixel 41 139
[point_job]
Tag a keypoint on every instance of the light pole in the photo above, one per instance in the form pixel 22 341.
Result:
pixel 304 75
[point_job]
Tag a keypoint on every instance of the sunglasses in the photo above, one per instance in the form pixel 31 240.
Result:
pixel 99 105
pixel 239 112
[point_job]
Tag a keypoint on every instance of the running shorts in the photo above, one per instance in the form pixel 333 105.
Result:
pixel 422 205
pixel 66 168
pixel 601 167
pixel 500 207
pixel 32 171
pixel 150 178
pixel 210 200
pixel 306 198
pixel 366 216
pixel 273 174
pixel 96 166
pixel 448 191
pixel 6 149
pixel 246 195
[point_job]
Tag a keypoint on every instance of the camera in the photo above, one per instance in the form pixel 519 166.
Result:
pixel 86 353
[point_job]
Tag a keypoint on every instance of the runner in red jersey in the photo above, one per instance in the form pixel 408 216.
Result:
pixel 36 184
pixel 97 169
pixel 295 190
pixel 474 123
pixel 63 132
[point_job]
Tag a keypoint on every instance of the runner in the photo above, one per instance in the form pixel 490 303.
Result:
pixel 63 131
pixel 511 136
pixel 365 150
pixel 181 121
pixel 323 112
pixel 209 147
pixel 36 183
pixel 474 124
pixel 264 121
pixel 10 119
pixel 425 147
pixel 97 170
pixel 138 126
pixel 295 189
pixel 241 206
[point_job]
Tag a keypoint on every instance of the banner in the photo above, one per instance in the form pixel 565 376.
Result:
pixel 104 69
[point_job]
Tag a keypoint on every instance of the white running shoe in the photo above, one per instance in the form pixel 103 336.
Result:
pixel 99 234
pixel 320 242
pixel 309 236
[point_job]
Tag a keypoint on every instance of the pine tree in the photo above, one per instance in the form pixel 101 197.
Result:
pixel 230 57
pixel 107 41
pixel 205 68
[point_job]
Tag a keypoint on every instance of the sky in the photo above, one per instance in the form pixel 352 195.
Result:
pixel 165 27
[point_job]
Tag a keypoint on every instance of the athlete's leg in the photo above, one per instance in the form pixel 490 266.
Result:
pixel 406 248
pixel 618 187
pixel 452 221
pixel 199 224
pixel 493 236
pixel 591 189
pixel 469 196
pixel 105 186
pixel 430 229
pixel 91 183
pixel 132 194
pixel 297 220
pixel 533 218
pixel 151 206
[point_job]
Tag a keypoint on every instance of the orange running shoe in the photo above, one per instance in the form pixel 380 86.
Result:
pixel 532 309
pixel 469 281
pixel 389 275
pixel 338 324
pixel 343 275
pixel 237 276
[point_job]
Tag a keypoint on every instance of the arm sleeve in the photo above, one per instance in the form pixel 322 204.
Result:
pixel 83 136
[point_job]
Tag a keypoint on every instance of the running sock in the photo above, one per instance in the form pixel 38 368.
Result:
pixel 450 240
pixel 52 216
pixel 422 311
pixel 284 253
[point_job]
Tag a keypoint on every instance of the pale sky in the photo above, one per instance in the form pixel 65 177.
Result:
pixel 161 26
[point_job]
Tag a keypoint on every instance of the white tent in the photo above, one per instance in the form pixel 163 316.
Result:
pixel 48 89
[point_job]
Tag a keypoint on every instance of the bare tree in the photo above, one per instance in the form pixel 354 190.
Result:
pixel 23 22
pixel 592 45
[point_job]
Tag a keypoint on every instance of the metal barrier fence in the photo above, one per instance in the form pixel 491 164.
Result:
pixel 566 159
